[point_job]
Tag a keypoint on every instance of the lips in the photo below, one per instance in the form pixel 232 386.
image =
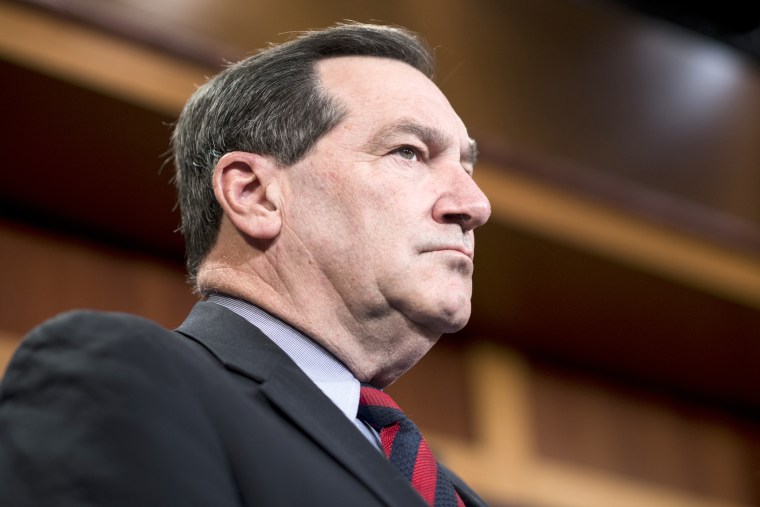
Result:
pixel 455 248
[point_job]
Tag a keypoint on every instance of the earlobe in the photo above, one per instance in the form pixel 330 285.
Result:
pixel 247 191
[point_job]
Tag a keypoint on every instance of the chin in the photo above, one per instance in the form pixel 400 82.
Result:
pixel 447 313
pixel 451 319
pixel 453 326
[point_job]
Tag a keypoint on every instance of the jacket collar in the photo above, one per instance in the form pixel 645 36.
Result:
pixel 242 348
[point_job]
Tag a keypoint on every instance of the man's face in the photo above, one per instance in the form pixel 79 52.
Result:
pixel 384 206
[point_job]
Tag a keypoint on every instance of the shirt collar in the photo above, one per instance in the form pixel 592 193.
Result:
pixel 325 370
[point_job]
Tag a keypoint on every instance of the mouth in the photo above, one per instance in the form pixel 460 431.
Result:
pixel 454 248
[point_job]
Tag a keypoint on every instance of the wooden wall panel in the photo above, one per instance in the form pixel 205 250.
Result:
pixel 657 439
pixel 542 439
pixel 44 273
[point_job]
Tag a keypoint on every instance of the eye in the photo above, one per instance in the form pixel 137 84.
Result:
pixel 407 152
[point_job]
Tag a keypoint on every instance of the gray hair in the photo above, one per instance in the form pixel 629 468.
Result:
pixel 271 104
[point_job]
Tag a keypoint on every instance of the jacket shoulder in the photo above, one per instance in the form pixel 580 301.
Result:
pixel 95 355
pixel 93 403
pixel 87 339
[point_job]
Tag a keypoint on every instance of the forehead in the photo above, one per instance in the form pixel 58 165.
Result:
pixel 378 92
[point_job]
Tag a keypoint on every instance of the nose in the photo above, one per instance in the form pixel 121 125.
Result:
pixel 463 203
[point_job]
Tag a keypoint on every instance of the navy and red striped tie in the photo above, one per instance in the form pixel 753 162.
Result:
pixel 406 449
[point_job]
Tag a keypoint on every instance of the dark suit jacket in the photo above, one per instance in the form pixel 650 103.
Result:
pixel 113 410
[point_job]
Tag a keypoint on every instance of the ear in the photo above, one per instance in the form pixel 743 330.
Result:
pixel 248 191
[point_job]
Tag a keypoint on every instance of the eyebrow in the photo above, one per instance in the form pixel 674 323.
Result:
pixel 427 134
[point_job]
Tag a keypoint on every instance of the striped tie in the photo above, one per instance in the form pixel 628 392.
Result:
pixel 406 449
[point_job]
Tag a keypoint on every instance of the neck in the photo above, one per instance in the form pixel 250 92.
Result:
pixel 377 346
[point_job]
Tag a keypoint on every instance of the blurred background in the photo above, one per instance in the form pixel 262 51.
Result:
pixel 613 354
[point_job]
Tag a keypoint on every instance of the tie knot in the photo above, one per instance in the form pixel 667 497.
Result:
pixel 377 408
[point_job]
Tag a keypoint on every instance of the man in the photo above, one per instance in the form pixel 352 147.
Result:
pixel 328 209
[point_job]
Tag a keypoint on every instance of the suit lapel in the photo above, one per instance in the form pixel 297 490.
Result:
pixel 308 408
pixel 241 347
